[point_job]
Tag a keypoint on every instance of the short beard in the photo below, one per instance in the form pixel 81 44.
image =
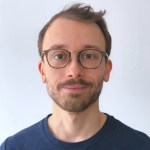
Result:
pixel 75 102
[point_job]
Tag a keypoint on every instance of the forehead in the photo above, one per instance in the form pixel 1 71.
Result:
pixel 73 34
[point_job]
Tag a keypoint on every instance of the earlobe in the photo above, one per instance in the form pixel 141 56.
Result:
pixel 107 70
pixel 42 71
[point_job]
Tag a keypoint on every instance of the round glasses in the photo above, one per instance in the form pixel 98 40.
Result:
pixel 88 58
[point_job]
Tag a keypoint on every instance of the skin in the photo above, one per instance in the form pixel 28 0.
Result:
pixel 71 120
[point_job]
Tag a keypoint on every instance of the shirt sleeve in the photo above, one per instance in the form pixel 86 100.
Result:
pixel 2 146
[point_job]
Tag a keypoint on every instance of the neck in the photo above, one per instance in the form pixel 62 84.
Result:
pixel 78 126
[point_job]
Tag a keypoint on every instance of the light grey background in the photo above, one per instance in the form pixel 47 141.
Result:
pixel 23 97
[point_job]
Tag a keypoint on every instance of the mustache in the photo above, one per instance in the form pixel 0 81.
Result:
pixel 75 82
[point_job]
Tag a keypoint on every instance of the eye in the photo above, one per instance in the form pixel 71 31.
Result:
pixel 58 56
pixel 89 56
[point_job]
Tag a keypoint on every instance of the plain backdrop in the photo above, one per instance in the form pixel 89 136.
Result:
pixel 24 99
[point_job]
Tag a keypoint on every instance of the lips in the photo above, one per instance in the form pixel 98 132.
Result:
pixel 73 88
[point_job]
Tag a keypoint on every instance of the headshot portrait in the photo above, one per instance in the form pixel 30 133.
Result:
pixel 75 75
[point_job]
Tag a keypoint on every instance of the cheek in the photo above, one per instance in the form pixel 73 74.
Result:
pixel 99 74
pixel 53 76
pixel 95 76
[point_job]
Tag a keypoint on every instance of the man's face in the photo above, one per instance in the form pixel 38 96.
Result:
pixel 74 88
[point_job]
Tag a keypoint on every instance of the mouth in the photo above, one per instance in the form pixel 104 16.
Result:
pixel 74 88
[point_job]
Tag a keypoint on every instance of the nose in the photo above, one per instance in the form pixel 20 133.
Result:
pixel 74 69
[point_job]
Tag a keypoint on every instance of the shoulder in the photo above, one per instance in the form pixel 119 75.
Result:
pixel 24 137
pixel 128 135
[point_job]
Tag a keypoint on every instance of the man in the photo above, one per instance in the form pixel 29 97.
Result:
pixel 74 47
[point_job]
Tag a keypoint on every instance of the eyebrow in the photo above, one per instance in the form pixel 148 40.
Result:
pixel 91 46
pixel 56 46
pixel 63 46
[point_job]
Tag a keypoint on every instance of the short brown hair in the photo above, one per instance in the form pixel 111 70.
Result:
pixel 80 12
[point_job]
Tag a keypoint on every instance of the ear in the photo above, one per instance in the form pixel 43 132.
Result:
pixel 42 71
pixel 108 67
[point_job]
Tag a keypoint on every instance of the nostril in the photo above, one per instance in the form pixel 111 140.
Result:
pixel 74 76
pixel 74 70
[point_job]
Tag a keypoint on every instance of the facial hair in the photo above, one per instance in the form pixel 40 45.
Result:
pixel 75 102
